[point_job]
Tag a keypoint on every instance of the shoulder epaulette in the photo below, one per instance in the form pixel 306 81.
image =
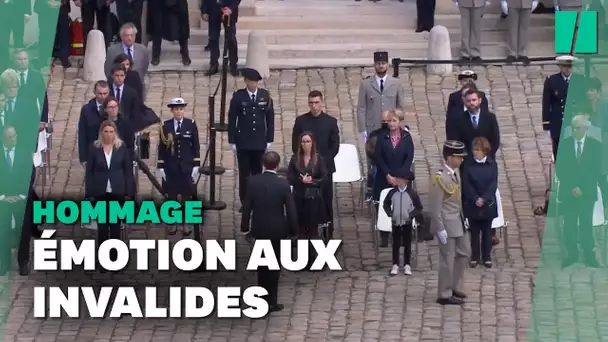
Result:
pixel 366 77
pixel 192 120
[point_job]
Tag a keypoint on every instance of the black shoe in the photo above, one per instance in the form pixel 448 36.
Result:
pixel 459 294
pixel 418 30
pixel 503 15
pixel 476 58
pixel 234 71
pixel 450 301
pixel 186 60
pixel 525 60
pixel 207 47
pixel 214 69
pixel 473 264
pixel 276 307
pixel 155 61
pixel 465 59
pixel 511 59
pixel 66 64
pixel 241 210
pixel 24 270
pixel 487 264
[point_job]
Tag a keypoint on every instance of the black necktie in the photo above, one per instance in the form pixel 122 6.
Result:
pixel 381 85
pixel 474 118
pixel 22 79
pixel 179 127
pixel 253 98
pixel 9 160
pixel 129 53
pixel 579 149
pixel 117 95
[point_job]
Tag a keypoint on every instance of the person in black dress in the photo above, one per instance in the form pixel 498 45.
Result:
pixel 306 174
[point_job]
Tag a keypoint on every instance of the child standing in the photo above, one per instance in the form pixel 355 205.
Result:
pixel 402 204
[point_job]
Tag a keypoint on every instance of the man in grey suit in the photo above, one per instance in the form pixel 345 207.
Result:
pixel 471 12
pixel 138 52
pixel 447 223
pixel 518 22
pixel 376 94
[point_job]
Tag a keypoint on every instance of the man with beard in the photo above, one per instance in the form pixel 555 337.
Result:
pixel 376 94
pixel 324 129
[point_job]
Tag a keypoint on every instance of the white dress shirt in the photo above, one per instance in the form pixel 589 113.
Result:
pixel 383 79
pixel 108 161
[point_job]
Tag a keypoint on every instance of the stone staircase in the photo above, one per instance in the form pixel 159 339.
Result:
pixel 342 33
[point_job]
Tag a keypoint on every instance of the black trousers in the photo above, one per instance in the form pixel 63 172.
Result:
pixel 215 29
pixel 578 229
pixel 249 163
pixel 328 197
pixel 109 231
pixel 270 279
pixel 28 230
pixel 402 235
pixel 89 12
pixel 130 12
pixel 426 14
pixel 481 236
pixel 554 145
pixel 157 41
pixel 60 46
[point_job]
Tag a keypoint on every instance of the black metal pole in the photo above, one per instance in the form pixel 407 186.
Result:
pixel 212 136
pixel 223 127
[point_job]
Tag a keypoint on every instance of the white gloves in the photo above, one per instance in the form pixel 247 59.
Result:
pixel 233 148
pixel 442 236
pixel 161 173
pixel 456 4
pixel 503 7
pixel 557 8
pixel 534 4
pixel 194 173
pixel 268 146
pixel 549 134
pixel 363 136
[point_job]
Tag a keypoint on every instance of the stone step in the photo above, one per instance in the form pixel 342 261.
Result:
pixel 376 36
pixel 369 22
pixel 291 57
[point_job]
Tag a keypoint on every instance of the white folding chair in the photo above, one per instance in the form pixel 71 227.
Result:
pixel 381 222
pixel 500 223
pixel 348 168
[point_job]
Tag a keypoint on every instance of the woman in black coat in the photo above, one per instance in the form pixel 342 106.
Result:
pixel 132 78
pixel 394 151
pixel 109 175
pixel 480 181
pixel 307 173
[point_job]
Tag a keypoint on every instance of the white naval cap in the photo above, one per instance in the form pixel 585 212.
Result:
pixel 467 74
pixel 178 101
pixel 565 59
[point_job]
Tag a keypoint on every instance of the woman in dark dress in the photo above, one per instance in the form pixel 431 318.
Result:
pixel 132 78
pixel 306 174
pixel 479 184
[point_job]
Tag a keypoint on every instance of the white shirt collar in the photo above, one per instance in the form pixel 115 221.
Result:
pixel 118 87
pixel 125 49
pixel 482 161
pixel 255 93
pixel 474 114
pixel 270 171
pixel 450 170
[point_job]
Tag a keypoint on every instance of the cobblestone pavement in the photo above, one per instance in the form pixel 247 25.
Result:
pixel 362 303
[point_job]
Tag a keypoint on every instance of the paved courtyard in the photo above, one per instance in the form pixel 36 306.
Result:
pixel 361 303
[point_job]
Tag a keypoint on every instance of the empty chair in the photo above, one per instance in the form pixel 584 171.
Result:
pixel 348 169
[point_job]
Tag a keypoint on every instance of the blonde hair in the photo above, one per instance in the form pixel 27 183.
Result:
pixel 9 78
pixel 396 113
pixel 117 142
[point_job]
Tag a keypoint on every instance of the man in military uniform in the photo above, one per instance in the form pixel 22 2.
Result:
pixel 179 155
pixel 214 12
pixel 376 94
pixel 447 223
pixel 471 12
pixel 250 127
pixel 518 22
pixel 555 92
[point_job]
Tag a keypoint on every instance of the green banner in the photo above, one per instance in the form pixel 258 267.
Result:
pixel 27 37
pixel 570 300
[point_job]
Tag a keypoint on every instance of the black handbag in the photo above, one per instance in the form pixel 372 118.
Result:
pixel 146 119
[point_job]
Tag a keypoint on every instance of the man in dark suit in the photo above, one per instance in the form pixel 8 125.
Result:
pixel 31 82
pixel 474 122
pixel 91 117
pixel 20 109
pixel 250 127
pixel 16 200
pixel 326 133
pixel 130 103
pixel 214 12
pixel 456 102
pixel 270 206
pixel 580 173
pixel 179 155
pixel 91 10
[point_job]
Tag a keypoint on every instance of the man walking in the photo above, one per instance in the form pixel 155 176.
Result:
pixel 250 127
pixel 471 12
pixel 270 206
pixel 447 223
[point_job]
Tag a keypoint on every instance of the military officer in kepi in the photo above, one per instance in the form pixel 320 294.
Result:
pixel 250 127
pixel 179 156
pixel 447 223
pixel 555 92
